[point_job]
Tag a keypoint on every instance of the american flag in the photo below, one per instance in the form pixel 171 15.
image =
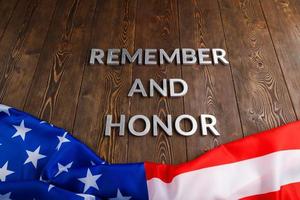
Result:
pixel 41 161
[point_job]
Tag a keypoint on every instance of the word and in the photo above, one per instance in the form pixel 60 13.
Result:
pixel 168 85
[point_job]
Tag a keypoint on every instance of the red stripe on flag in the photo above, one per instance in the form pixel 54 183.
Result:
pixel 282 138
pixel 290 191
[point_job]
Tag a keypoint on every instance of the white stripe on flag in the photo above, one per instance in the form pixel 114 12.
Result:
pixel 231 181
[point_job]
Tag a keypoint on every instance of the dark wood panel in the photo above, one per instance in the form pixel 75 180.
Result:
pixel 55 87
pixel 104 88
pixel 283 19
pixel 13 40
pixel 6 10
pixel 261 91
pixel 157 27
pixel 23 59
pixel 211 88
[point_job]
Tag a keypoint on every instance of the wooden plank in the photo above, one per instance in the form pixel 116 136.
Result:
pixel 260 88
pixel 6 10
pixel 283 22
pixel 211 89
pixel 23 59
pixel 157 27
pixel 13 39
pixel 104 88
pixel 56 83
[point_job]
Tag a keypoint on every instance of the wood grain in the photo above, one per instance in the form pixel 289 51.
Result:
pixel 260 88
pixel 6 10
pixel 283 22
pixel 56 83
pixel 13 40
pixel 211 88
pixel 157 27
pixel 23 59
pixel 104 88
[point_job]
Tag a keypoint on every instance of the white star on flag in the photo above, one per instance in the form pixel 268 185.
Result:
pixel 92 163
pixel 21 130
pixel 42 180
pixel 62 168
pixel 34 156
pixel 120 196
pixel 62 139
pixel 4 172
pixel 90 180
pixel 50 187
pixel 5 196
pixel 87 196
pixel 44 122
pixel 5 109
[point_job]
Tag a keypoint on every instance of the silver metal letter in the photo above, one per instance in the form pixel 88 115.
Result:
pixel 112 55
pixel 219 54
pixel 205 125
pixel 157 121
pixel 164 56
pixel 163 91
pixel 202 54
pixel 131 125
pixel 172 87
pixel 193 122
pixel 188 56
pixel 137 55
pixel 137 87
pixel 110 124
pixel 150 54
pixel 96 55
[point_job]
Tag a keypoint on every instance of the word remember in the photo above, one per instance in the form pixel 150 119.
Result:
pixel 184 56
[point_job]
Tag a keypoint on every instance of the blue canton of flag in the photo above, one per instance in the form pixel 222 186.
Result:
pixel 41 161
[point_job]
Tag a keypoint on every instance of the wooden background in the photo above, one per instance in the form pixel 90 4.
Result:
pixel 44 50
